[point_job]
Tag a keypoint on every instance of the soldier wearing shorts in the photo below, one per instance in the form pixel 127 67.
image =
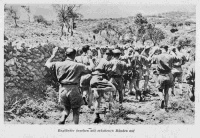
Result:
pixel 165 79
pixel 128 73
pixel 101 85
pixel 137 74
pixel 117 69
pixel 68 75
pixel 145 59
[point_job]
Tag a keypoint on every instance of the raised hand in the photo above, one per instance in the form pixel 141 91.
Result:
pixel 54 51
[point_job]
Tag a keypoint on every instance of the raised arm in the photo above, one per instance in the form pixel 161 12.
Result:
pixel 91 66
pixel 49 62
pixel 99 53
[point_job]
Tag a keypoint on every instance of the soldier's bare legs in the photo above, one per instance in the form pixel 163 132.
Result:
pixel 90 97
pixel 64 116
pixel 173 94
pixel 131 83
pixel 181 87
pixel 146 80
pixel 85 94
pixel 136 87
pixel 120 96
pixel 97 105
pixel 166 97
pixel 76 115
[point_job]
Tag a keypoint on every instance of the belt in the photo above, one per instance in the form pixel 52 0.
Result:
pixel 69 84
pixel 164 72
pixel 99 74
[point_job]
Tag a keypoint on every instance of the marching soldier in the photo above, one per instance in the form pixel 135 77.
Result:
pixel 68 74
pixel 100 83
pixel 165 79
pixel 117 69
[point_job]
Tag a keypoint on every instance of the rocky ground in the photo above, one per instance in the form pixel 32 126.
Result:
pixel 181 111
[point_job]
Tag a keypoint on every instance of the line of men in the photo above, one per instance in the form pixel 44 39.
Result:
pixel 89 78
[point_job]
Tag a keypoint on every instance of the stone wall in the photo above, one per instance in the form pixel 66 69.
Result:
pixel 24 67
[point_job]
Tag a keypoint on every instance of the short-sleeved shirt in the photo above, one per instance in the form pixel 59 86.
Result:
pixel 82 59
pixel 118 66
pixel 103 65
pixel 69 71
pixel 164 62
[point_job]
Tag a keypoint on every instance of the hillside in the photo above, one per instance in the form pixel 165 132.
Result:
pixel 31 96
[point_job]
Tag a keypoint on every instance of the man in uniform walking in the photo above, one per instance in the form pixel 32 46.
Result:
pixel 165 79
pixel 146 64
pixel 68 75
pixel 117 69
pixel 177 70
pixel 100 84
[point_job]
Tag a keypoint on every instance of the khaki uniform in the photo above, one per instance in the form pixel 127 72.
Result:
pixel 68 75
pixel 177 71
pixel 164 67
pixel 99 77
pixel 137 67
pixel 118 68
pixel 99 81
pixel 146 65
pixel 128 73
pixel 85 79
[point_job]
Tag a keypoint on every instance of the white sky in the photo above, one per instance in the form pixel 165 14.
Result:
pixel 107 10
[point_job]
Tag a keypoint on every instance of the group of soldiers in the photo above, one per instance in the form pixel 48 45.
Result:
pixel 93 75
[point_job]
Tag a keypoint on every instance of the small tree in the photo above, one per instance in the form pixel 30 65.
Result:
pixel 27 9
pixel 140 20
pixel 67 14
pixel 111 34
pixel 140 23
pixel 13 13
pixel 154 34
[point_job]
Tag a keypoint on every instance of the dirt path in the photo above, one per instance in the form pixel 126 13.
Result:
pixel 181 111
